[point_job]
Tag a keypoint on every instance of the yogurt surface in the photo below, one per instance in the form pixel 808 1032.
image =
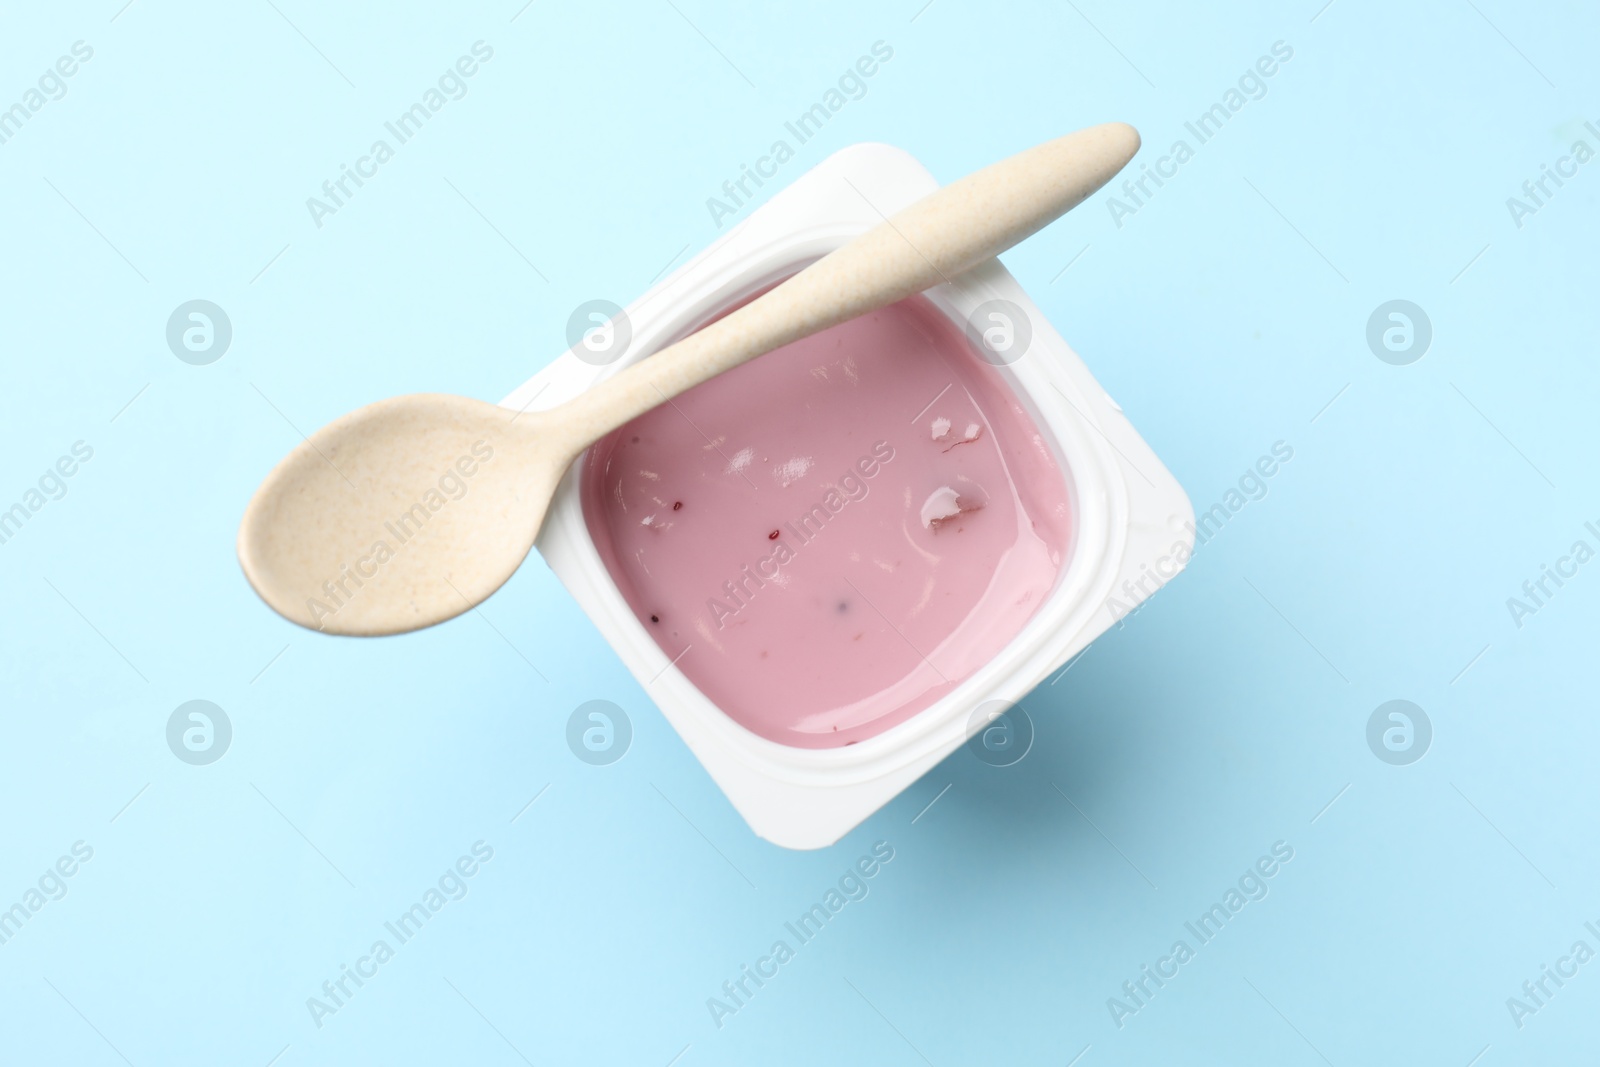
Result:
pixel 831 537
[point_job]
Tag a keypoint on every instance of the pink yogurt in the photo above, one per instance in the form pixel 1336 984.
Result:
pixel 830 538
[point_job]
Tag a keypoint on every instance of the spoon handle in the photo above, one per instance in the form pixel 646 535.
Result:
pixel 935 239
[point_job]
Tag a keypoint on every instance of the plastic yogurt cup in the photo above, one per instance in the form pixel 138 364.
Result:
pixel 1103 509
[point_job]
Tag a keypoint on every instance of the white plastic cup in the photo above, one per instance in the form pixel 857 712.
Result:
pixel 1131 516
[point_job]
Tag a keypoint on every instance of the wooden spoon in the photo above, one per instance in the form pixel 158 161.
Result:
pixel 412 510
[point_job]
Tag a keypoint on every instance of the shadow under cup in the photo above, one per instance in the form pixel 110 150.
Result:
pixel 832 537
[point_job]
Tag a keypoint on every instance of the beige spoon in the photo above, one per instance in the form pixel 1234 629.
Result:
pixel 412 510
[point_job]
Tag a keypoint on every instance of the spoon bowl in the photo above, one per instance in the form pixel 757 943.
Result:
pixel 350 535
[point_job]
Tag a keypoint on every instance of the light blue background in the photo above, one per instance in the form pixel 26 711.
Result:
pixel 1224 316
